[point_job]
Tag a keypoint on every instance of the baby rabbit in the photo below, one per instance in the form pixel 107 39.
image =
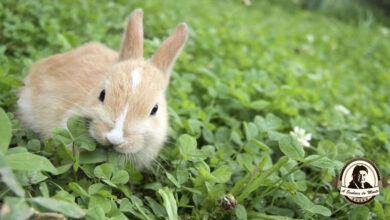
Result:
pixel 122 94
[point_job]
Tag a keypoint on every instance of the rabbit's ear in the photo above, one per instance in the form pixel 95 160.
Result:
pixel 166 55
pixel 133 39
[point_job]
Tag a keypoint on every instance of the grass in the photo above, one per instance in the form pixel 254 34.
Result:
pixel 247 76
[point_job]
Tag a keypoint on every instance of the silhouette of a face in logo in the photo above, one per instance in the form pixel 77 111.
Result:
pixel 359 176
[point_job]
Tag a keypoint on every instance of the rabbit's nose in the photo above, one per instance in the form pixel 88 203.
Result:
pixel 115 138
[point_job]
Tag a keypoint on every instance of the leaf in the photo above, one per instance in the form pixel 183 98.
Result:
pixel 11 81
pixel 78 189
pixel 16 150
pixel 34 145
pixel 182 174
pixel 157 209
pixel 240 185
pixel 30 177
pixel 126 206
pixel 85 143
pixel 222 174
pixel 120 216
pixel 378 209
pixel 222 134
pixel 302 201
pixel 273 122
pixel 63 168
pixel 173 179
pixel 18 209
pixel 68 209
pixel 49 146
pixel 96 213
pixel 250 130
pixel 63 152
pixel 206 174
pixel 291 147
pixel 104 171
pixel 275 136
pixel 235 138
pixel 261 145
pixel 327 148
pixel 108 182
pixel 99 201
pixel 193 126
pixel 77 125
pixel 241 95
pixel 44 189
pixel 208 135
pixel 5 131
pixel 97 156
pixel 135 176
pixel 270 123
pixel 61 135
pixel 260 179
pixel 359 213
pixel 97 187
pixel 8 177
pixel 29 161
pixel 169 202
pixel 187 143
pixel 240 212
pixel 136 200
pixel 319 209
pixel 4 65
pixel 63 195
pixel 323 162
pixel 307 205
pixel 134 208
pixel 120 177
pixel 187 147
pixel 259 104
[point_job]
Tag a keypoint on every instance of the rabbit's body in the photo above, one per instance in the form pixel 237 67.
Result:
pixel 121 94
pixel 56 86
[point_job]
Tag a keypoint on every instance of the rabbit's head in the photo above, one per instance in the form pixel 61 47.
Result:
pixel 130 109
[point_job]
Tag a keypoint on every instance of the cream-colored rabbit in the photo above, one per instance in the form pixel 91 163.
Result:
pixel 122 94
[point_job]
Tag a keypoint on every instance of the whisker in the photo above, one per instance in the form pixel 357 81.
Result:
pixel 155 161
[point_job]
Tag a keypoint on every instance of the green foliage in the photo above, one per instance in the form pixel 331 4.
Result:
pixel 306 204
pixel 290 146
pixel 169 202
pixel 67 208
pixel 29 162
pixel 247 76
pixel 5 131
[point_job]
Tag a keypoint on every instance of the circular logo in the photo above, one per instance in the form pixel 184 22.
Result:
pixel 359 181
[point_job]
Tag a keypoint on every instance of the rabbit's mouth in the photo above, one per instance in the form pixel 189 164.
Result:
pixel 99 139
pixel 127 148
pixel 132 144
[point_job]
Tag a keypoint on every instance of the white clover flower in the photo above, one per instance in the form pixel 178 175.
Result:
pixel 301 135
pixel 342 109
pixel 310 38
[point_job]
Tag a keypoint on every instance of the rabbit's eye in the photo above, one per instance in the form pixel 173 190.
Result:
pixel 154 110
pixel 102 95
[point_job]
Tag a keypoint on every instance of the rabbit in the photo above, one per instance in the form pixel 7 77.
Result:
pixel 122 94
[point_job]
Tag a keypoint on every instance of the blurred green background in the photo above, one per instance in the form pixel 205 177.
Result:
pixel 250 72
